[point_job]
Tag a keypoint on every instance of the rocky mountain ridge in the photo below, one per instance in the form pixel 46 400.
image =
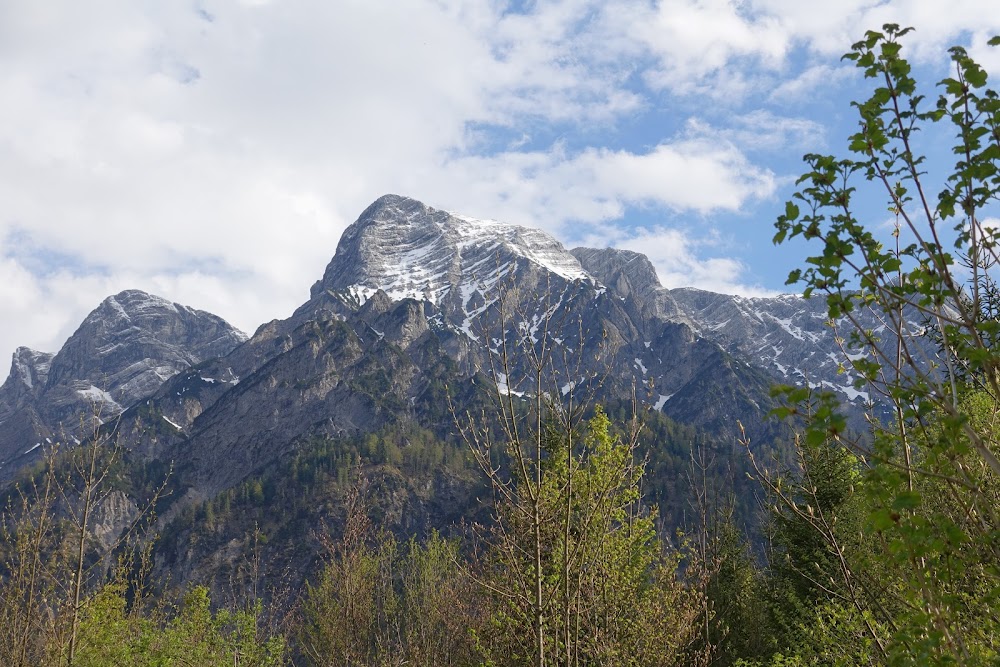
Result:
pixel 409 250
pixel 789 337
pixel 402 312
pixel 405 332
pixel 411 288
pixel 123 351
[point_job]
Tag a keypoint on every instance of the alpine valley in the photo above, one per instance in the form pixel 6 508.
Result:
pixel 257 439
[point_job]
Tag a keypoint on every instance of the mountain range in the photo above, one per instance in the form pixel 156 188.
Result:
pixel 412 315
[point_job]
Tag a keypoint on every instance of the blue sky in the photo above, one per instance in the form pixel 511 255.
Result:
pixel 213 151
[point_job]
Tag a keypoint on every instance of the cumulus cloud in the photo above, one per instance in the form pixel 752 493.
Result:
pixel 760 130
pixel 682 259
pixel 213 152
pixel 696 41
pixel 726 49
pixel 551 189
pixel 808 82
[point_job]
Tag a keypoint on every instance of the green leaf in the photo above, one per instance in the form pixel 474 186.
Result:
pixel 975 75
pixel 906 500
pixel 815 437
pixel 881 520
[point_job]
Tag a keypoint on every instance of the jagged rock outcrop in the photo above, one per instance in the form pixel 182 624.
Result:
pixel 788 336
pixel 633 277
pixel 416 298
pixel 122 352
pixel 29 371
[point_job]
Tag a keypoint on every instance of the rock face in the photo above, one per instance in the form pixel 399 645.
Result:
pixel 415 299
pixel 789 337
pixel 134 341
pixel 406 249
pixel 29 371
pixel 122 352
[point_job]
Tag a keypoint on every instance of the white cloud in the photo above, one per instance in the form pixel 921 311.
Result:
pixel 724 49
pixel 683 260
pixel 809 81
pixel 694 42
pixel 760 130
pixel 555 188
pixel 214 152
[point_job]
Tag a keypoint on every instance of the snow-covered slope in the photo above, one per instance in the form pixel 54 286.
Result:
pixel 410 250
pixel 790 337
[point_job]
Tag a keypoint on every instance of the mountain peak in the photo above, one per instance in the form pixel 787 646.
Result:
pixel 30 367
pixel 392 206
pixel 625 270
pixel 122 352
pixel 129 304
pixel 409 249
pixel 134 340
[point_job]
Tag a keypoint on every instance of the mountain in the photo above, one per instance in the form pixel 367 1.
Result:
pixel 413 300
pixel 787 336
pixel 419 318
pixel 122 352
pixel 394 343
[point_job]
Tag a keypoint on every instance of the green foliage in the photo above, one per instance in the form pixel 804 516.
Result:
pixel 609 593
pixel 401 462
pixel 911 576
pixel 376 603
pixel 72 596
pixel 736 593
pixel 193 635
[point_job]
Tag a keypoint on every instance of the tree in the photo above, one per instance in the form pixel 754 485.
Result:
pixel 56 559
pixel 27 541
pixel 73 576
pixel 572 563
pixel 931 467
pixel 193 634
pixel 375 603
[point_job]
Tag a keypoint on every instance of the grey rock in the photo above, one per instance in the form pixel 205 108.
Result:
pixel 790 337
pixel 112 514
pixel 29 371
pixel 122 352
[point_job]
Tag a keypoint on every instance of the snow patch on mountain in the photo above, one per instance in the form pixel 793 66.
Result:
pixel 532 244
pixel 99 397
pixel 410 250
pixel 661 401
pixel 172 423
